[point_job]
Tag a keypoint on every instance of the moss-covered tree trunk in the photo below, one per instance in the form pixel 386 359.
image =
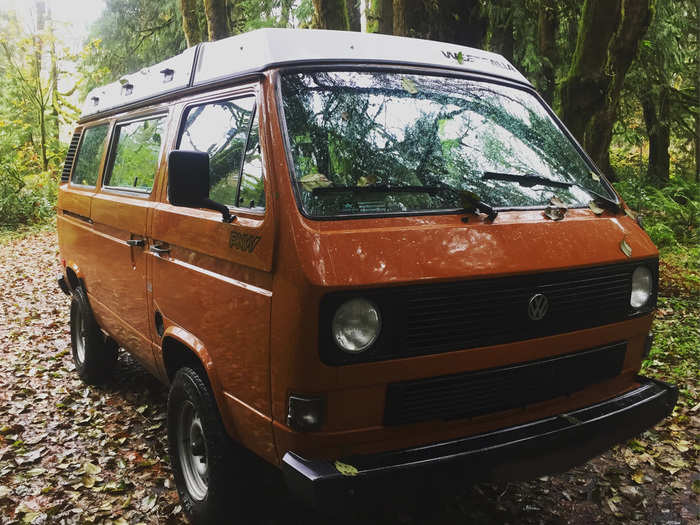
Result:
pixel 697 94
pixel 462 22
pixel 55 124
pixel 331 14
pixel 455 21
pixel 697 140
pixel 40 7
pixel 354 16
pixel 381 17
pixel 501 39
pixel 608 40
pixel 547 24
pixel 582 92
pixel 285 10
pixel 399 17
pixel 657 117
pixel 217 19
pixel 190 22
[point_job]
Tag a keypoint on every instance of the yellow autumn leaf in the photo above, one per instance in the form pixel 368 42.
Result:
pixel 345 470
pixel 595 208
pixel 409 85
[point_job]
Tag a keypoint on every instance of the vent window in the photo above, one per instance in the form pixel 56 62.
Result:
pixel 70 156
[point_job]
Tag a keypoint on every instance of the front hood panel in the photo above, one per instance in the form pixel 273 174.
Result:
pixel 399 250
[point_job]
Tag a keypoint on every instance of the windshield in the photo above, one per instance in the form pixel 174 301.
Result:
pixel 383 142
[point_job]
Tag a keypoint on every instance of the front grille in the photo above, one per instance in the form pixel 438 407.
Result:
pixel 70 157
pixel 479 313
pixel 434 318
pixel 487 391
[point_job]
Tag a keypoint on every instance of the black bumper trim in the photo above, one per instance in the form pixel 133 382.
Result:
pixel 63 285
pixel 553 444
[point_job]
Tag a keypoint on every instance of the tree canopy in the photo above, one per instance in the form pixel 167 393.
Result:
pixel 623 75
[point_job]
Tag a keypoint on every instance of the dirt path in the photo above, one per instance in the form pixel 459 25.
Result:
pixel 76 454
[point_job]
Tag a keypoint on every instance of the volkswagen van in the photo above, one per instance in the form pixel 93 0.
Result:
pixel 369 261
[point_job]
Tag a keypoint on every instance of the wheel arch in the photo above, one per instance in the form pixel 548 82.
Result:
pixel 180 348
pixel 74 277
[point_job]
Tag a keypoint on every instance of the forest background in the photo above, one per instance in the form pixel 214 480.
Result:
pixel 624 76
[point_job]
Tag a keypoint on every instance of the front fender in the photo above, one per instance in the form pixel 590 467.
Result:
pixel 195 345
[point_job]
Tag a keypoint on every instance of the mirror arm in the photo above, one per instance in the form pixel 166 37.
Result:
pixel 213 205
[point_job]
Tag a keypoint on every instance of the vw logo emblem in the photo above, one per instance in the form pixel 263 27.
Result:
pixel 537 307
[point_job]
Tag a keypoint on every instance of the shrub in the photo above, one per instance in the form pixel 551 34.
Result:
pixel 670 214
pixel 661 234
pixel 25 199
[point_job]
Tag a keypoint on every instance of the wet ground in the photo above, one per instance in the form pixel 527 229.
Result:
pixel 70 453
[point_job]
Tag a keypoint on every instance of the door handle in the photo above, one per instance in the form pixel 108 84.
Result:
pixel 136 243
pixel 159 250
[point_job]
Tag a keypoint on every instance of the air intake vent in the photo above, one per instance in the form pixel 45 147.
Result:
pixel 70 156
pixel 486 391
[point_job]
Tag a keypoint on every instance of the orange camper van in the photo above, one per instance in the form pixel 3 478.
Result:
pixel 370 260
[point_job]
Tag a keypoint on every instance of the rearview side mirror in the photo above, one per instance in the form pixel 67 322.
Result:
pixel 188 182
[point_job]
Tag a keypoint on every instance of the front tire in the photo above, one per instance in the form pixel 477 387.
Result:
pixel 206 463
pixel 94 355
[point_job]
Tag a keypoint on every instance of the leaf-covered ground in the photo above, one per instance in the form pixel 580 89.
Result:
pixel 76 454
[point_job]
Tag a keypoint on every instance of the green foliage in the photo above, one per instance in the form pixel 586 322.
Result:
pixel 33 64
pixel 675 356
pixel 661 234
pixel 25 199
pixel 254 14
pixel 130 35
pixel 671 214
pixel 666 75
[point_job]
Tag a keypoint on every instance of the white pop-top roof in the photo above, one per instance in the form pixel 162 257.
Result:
pixel 258 50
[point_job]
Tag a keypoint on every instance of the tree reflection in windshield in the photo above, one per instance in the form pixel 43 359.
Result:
pixel 362 129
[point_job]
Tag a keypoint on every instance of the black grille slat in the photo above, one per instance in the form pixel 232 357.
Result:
pixel 476 393
pixel 444 316
pixel 70 157
pixel 491 294
pixel 598 296
pixel 439 299
pixel 468 314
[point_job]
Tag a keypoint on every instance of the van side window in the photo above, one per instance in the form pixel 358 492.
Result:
pixel 136 154
pixel 252 192
pixel 87 166
pixel 220 128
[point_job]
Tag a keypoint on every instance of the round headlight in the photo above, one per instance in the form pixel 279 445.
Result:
pixel 356 325
pixel 641 287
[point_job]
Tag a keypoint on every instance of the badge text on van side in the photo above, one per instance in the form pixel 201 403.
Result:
pixel 243 241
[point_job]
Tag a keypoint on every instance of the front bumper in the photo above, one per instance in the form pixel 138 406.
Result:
pixel 553 444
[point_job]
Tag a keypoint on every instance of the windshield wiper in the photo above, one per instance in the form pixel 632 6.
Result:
pixel 532 179
pixel 526 179
pixel 473 202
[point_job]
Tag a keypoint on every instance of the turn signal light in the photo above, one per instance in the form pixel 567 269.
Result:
pixel 305 414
